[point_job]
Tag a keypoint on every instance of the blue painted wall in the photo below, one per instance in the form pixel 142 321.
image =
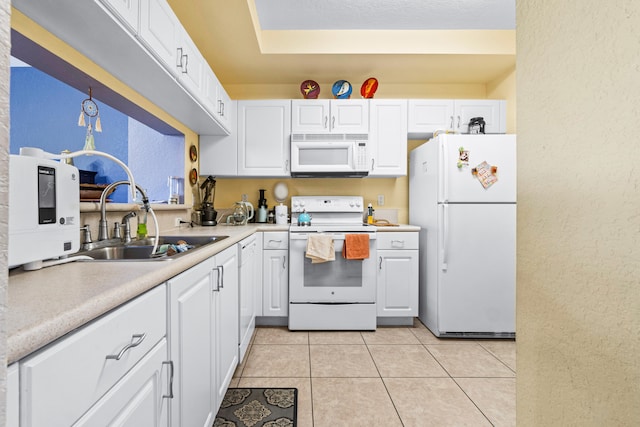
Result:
pixel 44 114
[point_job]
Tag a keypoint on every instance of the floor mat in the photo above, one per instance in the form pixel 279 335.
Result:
pixel 258 407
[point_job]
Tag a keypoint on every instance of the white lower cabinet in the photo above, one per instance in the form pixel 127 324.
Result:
pixel 13 395
pixel 225 322
pixel 203 337
pixel 275 274
pixel 191 345
pixel 397 274
pixel 60 383
pixel 247 256
pixel 139 399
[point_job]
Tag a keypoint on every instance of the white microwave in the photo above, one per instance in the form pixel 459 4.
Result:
pixel 329 155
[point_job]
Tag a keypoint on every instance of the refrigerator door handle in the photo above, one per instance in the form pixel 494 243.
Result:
pixel 444 170
pixel 444 226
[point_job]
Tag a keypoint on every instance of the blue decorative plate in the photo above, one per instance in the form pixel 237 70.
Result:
pixel 341 89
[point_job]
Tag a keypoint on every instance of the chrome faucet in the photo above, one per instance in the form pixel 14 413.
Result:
pixel 103 233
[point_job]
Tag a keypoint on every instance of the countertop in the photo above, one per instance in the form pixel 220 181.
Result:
pixel 46 304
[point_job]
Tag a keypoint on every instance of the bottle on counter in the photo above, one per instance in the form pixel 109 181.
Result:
pixel 261 215
pixel 370 214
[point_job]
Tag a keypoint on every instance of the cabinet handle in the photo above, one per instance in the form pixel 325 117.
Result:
pixel 222 113
pixel 380 265
pixel 284 262
pixel 458 122
pixel 326 118
pixel 333 122
pixel 286 165
pixel 138 337
pixel 451 125
pixel 217 289
pixel 179 58
pixel 186 62
pixel 170 395
pixel 221 276
pixel 219 107
pixel 372 163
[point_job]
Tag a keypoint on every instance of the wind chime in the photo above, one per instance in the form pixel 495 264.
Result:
pixel 90 109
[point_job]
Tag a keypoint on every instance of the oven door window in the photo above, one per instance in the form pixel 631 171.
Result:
pixel 339 273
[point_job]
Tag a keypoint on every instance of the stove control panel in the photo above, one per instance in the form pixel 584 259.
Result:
pixel 337 204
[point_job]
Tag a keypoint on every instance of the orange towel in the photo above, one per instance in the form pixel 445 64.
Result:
pixel 356 246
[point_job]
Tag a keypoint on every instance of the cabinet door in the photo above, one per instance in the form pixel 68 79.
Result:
pixel 191 345
pixel 225 315
pixel 224 107
pixel 191 66
pixel 310 116
pixel 349 116
pixel 139 399
pixel 159 28
pixel 127 11
pixel 248 254
pixel 429 115
pixel 275 283
pixel 397 283
pixel 13 396
pixel 492 111
pixel 388 138
pixel 264 138
pixel 219 153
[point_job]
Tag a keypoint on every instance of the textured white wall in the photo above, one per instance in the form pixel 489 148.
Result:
pixel 578 296
pixel 5 48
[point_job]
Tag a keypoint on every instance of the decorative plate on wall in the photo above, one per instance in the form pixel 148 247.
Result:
pixel 193 176
pixel 193 153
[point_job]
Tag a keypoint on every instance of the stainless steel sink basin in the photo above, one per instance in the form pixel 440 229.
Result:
pixel 140 250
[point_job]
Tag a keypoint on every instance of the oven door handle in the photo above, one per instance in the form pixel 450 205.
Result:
pixel 303 236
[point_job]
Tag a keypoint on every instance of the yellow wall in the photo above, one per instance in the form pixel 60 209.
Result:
pixel 578 274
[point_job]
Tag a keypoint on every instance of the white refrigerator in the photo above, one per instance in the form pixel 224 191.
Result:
pixel 462 193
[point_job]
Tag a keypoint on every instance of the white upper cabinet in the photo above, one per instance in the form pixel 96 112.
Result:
pixel 127 10
pixel 264 138
pixel 190 66
pixel 492 111
pixel 330 116
pixel 159 28
pixel 429 115
pixel 142 44
pixel 388 138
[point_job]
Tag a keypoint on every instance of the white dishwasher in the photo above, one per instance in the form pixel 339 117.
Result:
pixel 247 253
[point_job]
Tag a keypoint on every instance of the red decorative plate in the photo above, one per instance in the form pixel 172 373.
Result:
pixel 369 87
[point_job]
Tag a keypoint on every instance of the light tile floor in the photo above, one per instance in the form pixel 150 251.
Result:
pixel 395 376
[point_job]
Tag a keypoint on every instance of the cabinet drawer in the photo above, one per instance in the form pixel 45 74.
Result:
pixel 61 382
pixel 408 240
pixel 275 240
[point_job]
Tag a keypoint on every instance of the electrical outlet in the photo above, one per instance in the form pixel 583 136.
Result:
pixel 176 222
pixel 380 199
pixel 244 198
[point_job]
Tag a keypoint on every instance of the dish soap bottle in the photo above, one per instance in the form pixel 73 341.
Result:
pixel 370 214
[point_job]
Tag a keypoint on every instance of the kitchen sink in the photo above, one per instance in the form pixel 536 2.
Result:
pixel 140 250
